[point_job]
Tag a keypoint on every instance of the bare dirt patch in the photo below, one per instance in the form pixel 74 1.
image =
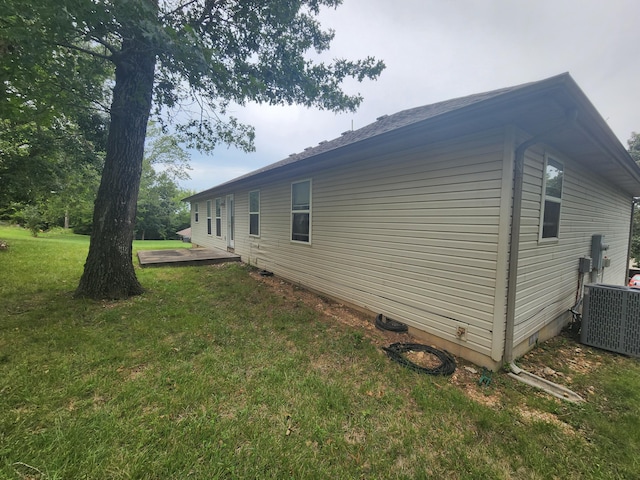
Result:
pixel 468 383
pixel 561 358
pixel 556 360
pixel 465 377
pixel 134 372
pixel 332 310
pixel 423 359
pixel 537 416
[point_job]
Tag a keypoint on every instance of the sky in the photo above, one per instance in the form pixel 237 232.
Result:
pixel 436 50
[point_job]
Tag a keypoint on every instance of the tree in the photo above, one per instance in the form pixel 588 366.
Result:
pixel 160 211
pixel 635 236
pixel 634 151
pixel 52 167
pixel 71 204
pixel 210 53
pixel 52 121
pixel 634 146
pixel 158 206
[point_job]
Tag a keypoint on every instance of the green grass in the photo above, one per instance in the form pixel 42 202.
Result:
pixel 212 374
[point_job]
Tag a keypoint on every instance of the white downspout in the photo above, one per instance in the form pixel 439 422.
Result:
pixel 514 252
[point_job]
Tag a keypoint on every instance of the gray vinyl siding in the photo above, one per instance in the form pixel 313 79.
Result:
pixel 414 235
pixel 548 272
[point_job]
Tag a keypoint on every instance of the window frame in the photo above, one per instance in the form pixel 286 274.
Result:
pixel 545 197
pixel 218 212
pixel 209 226
pixel 196 215
pixel 307 211
pixel 254 213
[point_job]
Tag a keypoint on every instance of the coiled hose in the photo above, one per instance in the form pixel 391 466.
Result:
pixel 384 323
pixel 395 352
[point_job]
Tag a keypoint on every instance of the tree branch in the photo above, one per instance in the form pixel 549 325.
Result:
pixel 177 9
pixel 87 51
pixel 105 44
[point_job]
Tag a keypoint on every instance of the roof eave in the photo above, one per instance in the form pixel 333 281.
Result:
pixel 599 131
pixel 564 85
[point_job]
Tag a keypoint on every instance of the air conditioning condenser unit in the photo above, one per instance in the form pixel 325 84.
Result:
pixel 611 318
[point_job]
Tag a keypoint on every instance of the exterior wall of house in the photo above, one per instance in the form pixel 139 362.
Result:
pixel 548 271
pixel 420 236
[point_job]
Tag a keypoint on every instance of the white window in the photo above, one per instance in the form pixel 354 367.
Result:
pixel 208 217
pixel 196 216
pixel 254 213
pixel 218 218
pixel 552 202
pixel 301 211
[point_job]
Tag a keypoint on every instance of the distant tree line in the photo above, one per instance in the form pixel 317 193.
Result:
pixel 50 173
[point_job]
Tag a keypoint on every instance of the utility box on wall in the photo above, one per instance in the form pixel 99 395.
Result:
pixel 611 318
pixel 584 265
pixel 598 247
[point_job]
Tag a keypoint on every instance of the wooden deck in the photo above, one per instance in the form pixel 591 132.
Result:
pixel 185 256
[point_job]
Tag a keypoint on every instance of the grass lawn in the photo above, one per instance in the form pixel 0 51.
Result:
pixel 217 373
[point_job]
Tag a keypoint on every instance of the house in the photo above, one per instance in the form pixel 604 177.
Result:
pixel 466 220
pixel 185 234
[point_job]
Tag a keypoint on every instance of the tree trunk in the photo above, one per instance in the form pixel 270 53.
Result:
pixel 108 271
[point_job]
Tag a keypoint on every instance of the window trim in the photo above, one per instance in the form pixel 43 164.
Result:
pixel 218 213
pixel 308 211
pixel 544 198
pixel 196 215
pixel 255 235
pixel 209 226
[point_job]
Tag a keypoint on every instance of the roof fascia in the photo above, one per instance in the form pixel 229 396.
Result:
pixel 457 120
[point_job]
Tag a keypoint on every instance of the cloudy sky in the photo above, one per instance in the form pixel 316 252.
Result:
pixel 441 49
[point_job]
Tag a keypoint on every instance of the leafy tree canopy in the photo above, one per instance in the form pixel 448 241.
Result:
pixel 173 57
pixel 54 168
pixel 209 54
pixel 53 121
pixel 161 212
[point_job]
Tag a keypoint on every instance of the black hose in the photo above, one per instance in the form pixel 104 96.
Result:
pixel 446 367
pixel 384 323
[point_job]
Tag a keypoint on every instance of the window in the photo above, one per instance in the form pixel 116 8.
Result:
pixel 208 217
pixel 301 211
pixel 195 213
pixel 552 185
pixel 218 219
pixel 254 213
